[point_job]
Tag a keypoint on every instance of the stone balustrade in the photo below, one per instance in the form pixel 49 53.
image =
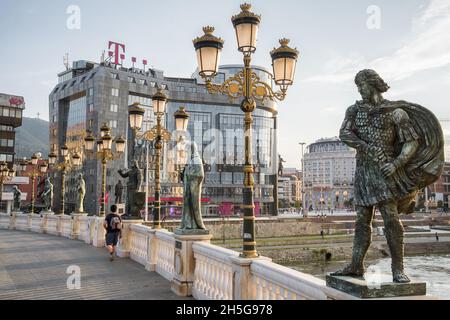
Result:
pixel 271 281
pixel 165 254
pixel 66 226
pixel 217 273
pixel 213 272
pixel 22 221
pixel 139 243
pixel 84 233
pixel 36 223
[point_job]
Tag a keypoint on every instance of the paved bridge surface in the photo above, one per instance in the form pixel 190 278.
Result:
pixel 34 266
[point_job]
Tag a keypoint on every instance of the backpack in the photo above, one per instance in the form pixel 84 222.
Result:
pixel 115 223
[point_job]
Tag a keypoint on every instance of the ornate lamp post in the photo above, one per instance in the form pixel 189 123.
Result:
pixel 248 85
pixel 37 171
pixel 159 135
pixel 104 153
pixel 69 162
pixel 5 175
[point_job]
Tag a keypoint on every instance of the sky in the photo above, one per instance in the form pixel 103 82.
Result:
pixel 406 41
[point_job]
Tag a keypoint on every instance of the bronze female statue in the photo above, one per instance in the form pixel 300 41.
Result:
pixel 192 180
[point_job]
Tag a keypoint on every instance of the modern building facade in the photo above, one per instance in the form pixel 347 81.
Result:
pixel 329 174
pixel 11 109
pixel 90 94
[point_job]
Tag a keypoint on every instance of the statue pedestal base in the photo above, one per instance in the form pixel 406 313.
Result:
pixel 191 232
pixel 183 278
pixel 378 286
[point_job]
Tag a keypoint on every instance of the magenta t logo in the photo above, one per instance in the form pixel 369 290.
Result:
pixel 117 47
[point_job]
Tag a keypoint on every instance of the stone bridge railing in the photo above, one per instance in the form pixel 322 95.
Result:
pixel 192 265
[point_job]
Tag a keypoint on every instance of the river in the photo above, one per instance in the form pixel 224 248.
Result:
pixel 432 269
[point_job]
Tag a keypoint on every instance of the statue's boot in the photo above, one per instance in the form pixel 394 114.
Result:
pixel 394 236
pixel 396 247
pixel 361 243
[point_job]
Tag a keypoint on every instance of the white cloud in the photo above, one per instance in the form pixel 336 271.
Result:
pixel 428 48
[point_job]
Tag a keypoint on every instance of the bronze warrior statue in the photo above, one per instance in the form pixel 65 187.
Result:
pixel 399 151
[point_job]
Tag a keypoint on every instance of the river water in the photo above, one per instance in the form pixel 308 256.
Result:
pixel 432 269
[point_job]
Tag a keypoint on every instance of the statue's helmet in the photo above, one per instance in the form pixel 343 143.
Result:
pixel 373 78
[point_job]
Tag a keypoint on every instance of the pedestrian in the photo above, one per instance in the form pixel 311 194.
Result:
pixel 322 234
pixel 437 237
pixel 113 227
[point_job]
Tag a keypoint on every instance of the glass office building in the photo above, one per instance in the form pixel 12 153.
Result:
pixel 91 94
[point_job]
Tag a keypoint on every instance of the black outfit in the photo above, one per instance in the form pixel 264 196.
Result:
pixel 112 235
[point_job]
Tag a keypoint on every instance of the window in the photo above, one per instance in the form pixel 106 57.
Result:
pixel 54 118
pixel 114 108
pixel 131 80
pixel 114 75
pixel 143 82
pixel 113 123
pixel 152 84
pixel 91 107
pixel 10 143
pixel 90 123
pixel 164 86
pixel 6 112
pixel 91 91
pixel 54 132
pixel 114 92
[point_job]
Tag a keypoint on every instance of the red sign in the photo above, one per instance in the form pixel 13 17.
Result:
pixel 16 101
pixel 116 53
pixel 176 199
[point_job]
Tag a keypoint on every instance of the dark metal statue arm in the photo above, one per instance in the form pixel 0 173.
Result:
pixel 348 136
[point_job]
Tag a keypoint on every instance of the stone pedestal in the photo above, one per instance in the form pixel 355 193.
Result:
pixel 377 286
pixel 123 248
pixel 98 239
pixel 76 224
pixel 183 278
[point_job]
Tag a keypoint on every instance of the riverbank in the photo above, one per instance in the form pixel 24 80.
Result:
pixel 291 250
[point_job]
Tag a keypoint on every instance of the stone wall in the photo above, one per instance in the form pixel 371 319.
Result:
pixel 265 227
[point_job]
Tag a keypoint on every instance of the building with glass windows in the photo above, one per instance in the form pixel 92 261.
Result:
pixel 11 109
pixel 90 94
pixel 329 174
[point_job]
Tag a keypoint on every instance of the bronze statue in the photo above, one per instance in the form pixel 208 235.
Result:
pixel 280 165
pixel 17 198
pixel 192 178
pixel 399 151
pixel 81 192
pixel 134 186
pixel 118 190
pixel 47 195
